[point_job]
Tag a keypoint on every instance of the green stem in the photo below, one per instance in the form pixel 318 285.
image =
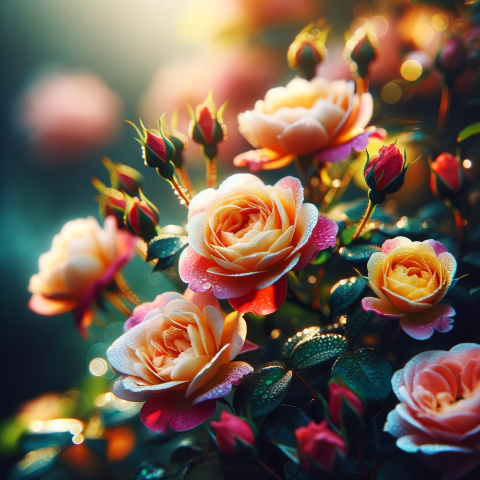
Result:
pixel 269 471
pixel 368 213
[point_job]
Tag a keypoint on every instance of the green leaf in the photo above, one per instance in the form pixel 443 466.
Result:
pixel 473 129
pixel 367 371
pixel 292 342
pixel 358 254
pixel 163 263
pixel 347 235
pixel 280 425
pixel 261 391
pixel 322 257
pixel 293 471
pixel 315 350
pixel 290 452
pixel 344 293
pixel 186 451
pixel 164 246
pixel 475 292
pixel 354 323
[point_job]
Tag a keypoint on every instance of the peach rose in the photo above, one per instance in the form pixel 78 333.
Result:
pixel 82 262
pixel 244 237
pixel 177 355
pixel 410 279
pixel 439 413
pixel 306 117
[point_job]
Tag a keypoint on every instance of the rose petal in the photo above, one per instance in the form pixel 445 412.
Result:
pixel 132 389
pixel 264 301
pixel 394 243
pixel 380 308
pixel 200 201
pixel 220 385
pixel 196 235
pixel 234 333
pixel 421 325
pixel 437 246
pixel 249 346
pixel 173 409
pixel 304 136
pixel 46 306
pixel 341 152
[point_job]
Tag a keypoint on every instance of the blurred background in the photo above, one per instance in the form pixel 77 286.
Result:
pixel 71 72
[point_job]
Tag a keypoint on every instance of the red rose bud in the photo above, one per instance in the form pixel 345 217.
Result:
pixel 385 174
pixel 123 177
pixel 308 50
pixel 446 179
pixel 141 217
pixel 343 402
pixel 158 150
pixel 451 58
pixel 207 127
pixel 232 432
pixel 320 448
pixel 110 201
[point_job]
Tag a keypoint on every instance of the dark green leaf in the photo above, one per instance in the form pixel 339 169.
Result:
pixel 367 371
pixel 475 292
pixel 163 263
pixel 151 470
pixel 164 246
pixel 261 391
pixel 315 350
pixel 358 254
pixel 473 129
pixel 354 323
pixel 186 451
pixel 280 425
pixel 292 342
pixel 290 452
pixel 344 293
pixel 322 257
pixel 294 471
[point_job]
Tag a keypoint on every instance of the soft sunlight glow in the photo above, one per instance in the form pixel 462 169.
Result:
pixel 98 367
pixel 440 22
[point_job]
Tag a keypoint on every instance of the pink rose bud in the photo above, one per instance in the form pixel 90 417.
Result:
pixel 385 173
pixel 446 178
pixel 341 397
pixel 230 430
pixel 141 217
pixel 123 177
pixel 319 447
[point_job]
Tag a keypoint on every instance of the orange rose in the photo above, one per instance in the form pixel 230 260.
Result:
pixel 177 355
pixel 306 117
pixel 410 278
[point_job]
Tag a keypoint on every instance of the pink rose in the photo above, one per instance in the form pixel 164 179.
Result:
pixel 410 279
pixel 82 262
pixel 318 446
pixel 244 237
pixel 439 413
pixel 229 430
pixel 177 355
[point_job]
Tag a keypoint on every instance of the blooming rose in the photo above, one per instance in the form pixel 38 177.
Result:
pixel 82 262
pixel 318 446
pixel 229 430
pixel 176 354
pixel 306 117
pixel 244 237
pixel 439 413
pixel 410 279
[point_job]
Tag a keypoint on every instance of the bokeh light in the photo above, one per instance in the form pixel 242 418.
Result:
pixel 467 163
pixel 391 93
pixel 440 22
pixel 98 367
pixel 411 70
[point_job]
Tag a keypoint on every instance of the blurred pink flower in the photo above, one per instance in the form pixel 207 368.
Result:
pixel 69 113
pixel 239 76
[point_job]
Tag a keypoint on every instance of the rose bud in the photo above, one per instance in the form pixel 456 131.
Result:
pixel 446 178
pixel 233 435
pixel 158 150
pixel 111 202
pixel 364 53
pixel 207 127
pixel 141 217
pixel 123 177
pixel 385 173
pixel 320 448
pixel 308 50
pixel 451 58
pixel 346 407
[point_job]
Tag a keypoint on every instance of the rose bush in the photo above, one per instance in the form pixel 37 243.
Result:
pixel 306 117
pixel 439 413
pixel 176 355
pixel 82 262
pixel 410 278
pixel 244 237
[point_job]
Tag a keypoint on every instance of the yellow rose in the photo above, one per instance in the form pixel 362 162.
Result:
pixel 176 354
pixel 83 260
pixel 306 117
pixel 410 278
